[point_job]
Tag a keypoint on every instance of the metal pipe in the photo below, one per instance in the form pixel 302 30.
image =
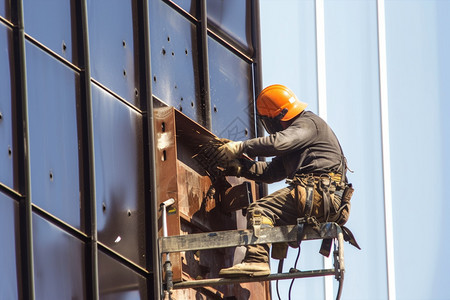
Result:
pixel 167 263
pixel 225 281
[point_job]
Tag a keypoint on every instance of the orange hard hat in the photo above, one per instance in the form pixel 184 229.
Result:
pixel 277 101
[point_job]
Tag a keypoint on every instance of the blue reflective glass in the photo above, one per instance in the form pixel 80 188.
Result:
pixel 231 19
pixel 9 231
pixel 52 22
pixel 117 282
pixel 119 175
pixel 53 138
pixel 231 90
pixel 174 59
pixel 6 114
pixel 298 37
pixel 58 262
pixel 113 50
pixel 354 114
pixel 418 68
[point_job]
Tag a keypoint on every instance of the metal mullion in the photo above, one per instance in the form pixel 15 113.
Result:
pixel 20 108
pixel 153 272
pixel 52 53
pixel 229 46
pixel 182 12
pixel 386 154
pixel 6 21
pixel 112 93
pixel 87 164
pixel 123 260
pixel 10 192
pixel 59 223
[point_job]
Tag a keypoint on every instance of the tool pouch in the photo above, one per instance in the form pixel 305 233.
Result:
pixel 344 210
pixel 279 250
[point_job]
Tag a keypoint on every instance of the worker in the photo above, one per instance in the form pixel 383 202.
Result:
pixel 306 152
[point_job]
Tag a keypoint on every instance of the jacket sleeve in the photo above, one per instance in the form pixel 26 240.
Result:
pixel 262 171
pixel 299 134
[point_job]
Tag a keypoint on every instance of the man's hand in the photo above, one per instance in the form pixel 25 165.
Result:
pixel 233 168
pixel 229 151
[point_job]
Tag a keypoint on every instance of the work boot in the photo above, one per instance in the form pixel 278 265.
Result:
pixel 252 269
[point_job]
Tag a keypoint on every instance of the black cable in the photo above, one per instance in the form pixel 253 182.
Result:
pixel 294 270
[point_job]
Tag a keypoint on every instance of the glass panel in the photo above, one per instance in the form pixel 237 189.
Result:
pixel 52 113
pixel 58 262
pixel 418 68
pixel 5 9
pixel 231 94
pixel 354 114
pixel 52 23
pixel 119 176
pixel 174 55
pixel 9 231
pixel 298 68
pixel 114 60
pixel 117 282
pixel 231 19
pixel 6 115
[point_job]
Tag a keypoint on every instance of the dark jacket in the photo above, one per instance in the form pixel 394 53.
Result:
pixel 308 145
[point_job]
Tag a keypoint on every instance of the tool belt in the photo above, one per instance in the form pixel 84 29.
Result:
pixel 327 197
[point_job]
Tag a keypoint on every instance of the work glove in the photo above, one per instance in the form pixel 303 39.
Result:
pixel 229 151
pixel 233 168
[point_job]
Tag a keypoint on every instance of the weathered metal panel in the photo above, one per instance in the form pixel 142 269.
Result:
pixel 116 281
pixel 174 54
pixel 58 262
pixel 7 149
pixel 53 24
pixel 52 118
pixel 231 81
pixel 9 231
pixel 113 55
pixel 119 176
pixel 231 20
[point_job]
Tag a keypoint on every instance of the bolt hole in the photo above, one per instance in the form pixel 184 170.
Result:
pixel 1 116
pixel 181 108
pixel 124 73
pixel 185 51
pixel 9 151
pixel 173 54
pixel 215 109
pixel 163 51
pixel 51 175
pixel 246 131
pixel 192 104
pixel 129 213
pixel 136 92
pixel 176 86
pixel 164 155
pixel 181 99
pixel 154 78
pixel 64 47
pixel 124 44
pixel 163 127
pixel 104 206
pixel 168 38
